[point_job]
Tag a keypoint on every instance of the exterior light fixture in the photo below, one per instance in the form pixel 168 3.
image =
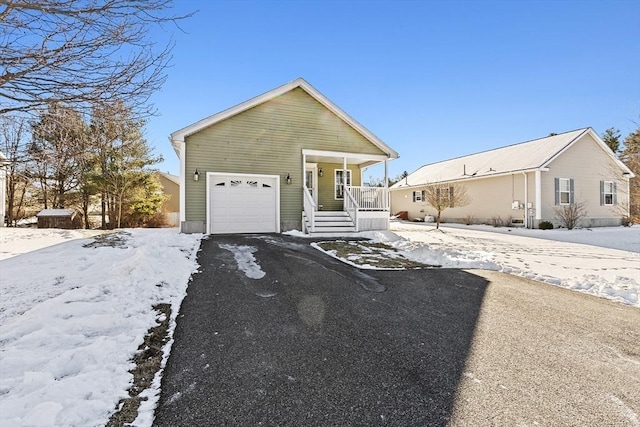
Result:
pixel 320 173
pixel 196 175
pixel 288 179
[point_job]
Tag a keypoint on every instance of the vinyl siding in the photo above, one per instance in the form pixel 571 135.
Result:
pixel 490 197
pixel 269 139
pixel 587 164
pixel 326 187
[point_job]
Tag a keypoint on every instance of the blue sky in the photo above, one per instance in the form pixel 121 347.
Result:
pixel 432 79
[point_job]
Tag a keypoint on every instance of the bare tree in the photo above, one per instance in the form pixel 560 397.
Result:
pixel 14 131
pixel 81 52
pixel 442 196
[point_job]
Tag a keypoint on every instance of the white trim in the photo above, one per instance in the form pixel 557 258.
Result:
pixel 313 167
pixel 560 191
pixel 604 193
pixel 180 135
pixel 359 156
pixel 600 142
pixel 183 182
pixel 349 174
pixel 463 180
pixel 208 196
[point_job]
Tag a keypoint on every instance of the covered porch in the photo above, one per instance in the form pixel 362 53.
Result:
pixel 335 197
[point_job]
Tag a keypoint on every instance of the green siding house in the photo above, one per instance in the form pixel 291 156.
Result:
pixel 277 162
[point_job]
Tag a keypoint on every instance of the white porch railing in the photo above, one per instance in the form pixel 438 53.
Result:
pixel 370 198
pixel 351 205
pixel 309 209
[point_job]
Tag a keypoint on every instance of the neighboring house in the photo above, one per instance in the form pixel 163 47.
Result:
pixel 171 207
pixel 277 162
pixel 527 182
pixel 58 218
pixel 3 189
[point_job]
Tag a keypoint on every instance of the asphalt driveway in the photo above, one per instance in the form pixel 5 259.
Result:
pixel 317 342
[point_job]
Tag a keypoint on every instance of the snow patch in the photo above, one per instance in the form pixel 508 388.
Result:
pixel 243 255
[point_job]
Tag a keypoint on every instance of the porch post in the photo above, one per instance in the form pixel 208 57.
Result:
pixel 386 174
pixel 304 171
pixel 526 200
pixel 344 177
pixel 538 194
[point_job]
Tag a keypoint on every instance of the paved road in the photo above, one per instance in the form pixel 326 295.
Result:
pixel 317 342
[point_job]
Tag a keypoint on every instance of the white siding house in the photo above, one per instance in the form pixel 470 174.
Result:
pixel 524 184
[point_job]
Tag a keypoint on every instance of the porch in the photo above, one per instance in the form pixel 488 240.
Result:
pixel 365 208
pixel 335 198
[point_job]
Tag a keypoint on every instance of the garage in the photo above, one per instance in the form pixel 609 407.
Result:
pixel 243 203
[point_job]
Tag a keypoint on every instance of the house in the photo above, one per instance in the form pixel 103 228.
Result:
pixel 287 159
pixel 58 218
pixel 3 189
pixel 171 207
pixel 524 184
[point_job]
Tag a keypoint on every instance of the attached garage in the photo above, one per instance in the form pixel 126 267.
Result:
pixel 243 203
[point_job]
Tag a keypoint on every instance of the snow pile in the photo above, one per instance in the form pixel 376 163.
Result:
pixel 595 269
pixel 73 316
pixel 419 252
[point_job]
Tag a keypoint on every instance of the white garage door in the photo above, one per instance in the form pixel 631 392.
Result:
pixel 240 203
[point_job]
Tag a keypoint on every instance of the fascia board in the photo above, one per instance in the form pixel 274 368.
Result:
pixel 360 156
pixel 348 119
pixel 601 144
pixel 466 179
pixel 563 149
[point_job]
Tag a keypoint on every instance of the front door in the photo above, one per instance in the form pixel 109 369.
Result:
pixel 311 180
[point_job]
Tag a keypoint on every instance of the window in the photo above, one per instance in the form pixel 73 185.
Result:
pixel 419 196
pixel 607 193
pixel 338 183
pixel 445 196
pixel 564 191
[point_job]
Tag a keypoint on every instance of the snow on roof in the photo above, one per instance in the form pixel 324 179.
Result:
pixel 513 158
pixel 56 212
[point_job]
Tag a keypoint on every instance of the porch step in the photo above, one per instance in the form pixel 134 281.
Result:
pixel 331 222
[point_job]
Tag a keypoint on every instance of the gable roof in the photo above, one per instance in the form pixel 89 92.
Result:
pixel 524 157
pixel 172 178
pixel 179 136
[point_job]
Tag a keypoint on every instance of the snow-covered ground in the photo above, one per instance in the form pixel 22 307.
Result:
pixel 16 241
pixel 72 317
pixel 592 267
